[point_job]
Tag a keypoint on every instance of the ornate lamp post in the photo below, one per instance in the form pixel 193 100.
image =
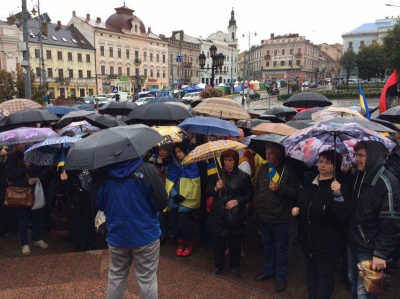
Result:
pixel 42 69
pixel 217 62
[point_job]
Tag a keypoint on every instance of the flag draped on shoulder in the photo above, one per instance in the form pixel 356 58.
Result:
pixel 273 175
pixel 363 103
pixel 389 93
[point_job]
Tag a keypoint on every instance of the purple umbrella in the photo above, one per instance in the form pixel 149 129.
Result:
pixel 26 135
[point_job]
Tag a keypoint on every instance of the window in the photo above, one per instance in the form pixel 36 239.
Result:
pixel 60 73
pixel 163 73
pixel 89 74
pixel 350 44
pixel 64 39
pixel 37 53
pixel 290 62
pixel 50 72
pixel 275 52
pixel 137 55
pixel 38 72
pixel 137 71
pixel 136 28
pixel 151 73
pixel 158 58
pixel 74 40
pixel 111 52
pixel 267 64
pixel 103 69
pixel 151 56
pixel 54 38
pixel 208 54
pixel 163 58
pixel 268 52
pixel 299 50
pixel 69 56
pixel 79 57
pixel 283 51
pixel 128 71
pixel 145 56
pixel 145 72
pixel 171 57
pixel 120 71
pixel 275 63
pixel 80 74
pixel 101 50
pixel 297 62
pixel 158 74
pixel 362 43
pixel 48 54
pixel 119 53
pixel 282 63
pixel 127 53
pixel 111 70
pixel 87 57
pixel 70 73
pixel 291 51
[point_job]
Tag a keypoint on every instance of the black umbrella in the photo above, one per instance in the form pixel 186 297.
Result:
pixel 392 115
pixel 111 146
pixel 250 123
pixel 103 121
pixel 72 117
pixel 152 112
pixel 117 108
pixel 301 124
pixel 362 122
pixel 387 124
pixel 306 114
pixel 280 111
pixel 258 144
pixel 160 100
pixel 30 115
pixel 195 103
pixel 307 100
pixel 271 118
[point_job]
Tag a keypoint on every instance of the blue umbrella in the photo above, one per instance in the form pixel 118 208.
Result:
pixel 61 110
pixel 209 126
pixel 49 152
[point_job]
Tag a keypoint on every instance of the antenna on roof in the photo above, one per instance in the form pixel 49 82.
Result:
pixel 124 3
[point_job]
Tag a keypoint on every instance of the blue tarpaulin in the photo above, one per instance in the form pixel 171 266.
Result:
pixel 193 89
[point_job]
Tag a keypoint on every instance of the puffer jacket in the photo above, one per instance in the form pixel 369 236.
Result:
pixel 276 206
pixel 237 186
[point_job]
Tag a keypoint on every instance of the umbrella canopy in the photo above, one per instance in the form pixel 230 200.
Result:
pixel 60 110
pixel 50 151
pixel 171 134
pixel 197 102
pixel 271 118
pixel 158 111
pixel 111 146
pixel 16 105
pixel 333 112
pixel 211 150
pixel 178 104
pixel 80 127
pixel 392 115
pixel 4 114
pixel 250 123
pixel 162 100
pixel 85 107
pixel 307 100
pixel 117 108
pixel 258 144
pixel 103 121
pixel 31 115
pixel 280 111
pixel 73 117
pixel 301 124
pixel 387 124
pixel 26 135
pixel 221 108
pixel 362 122
pixel 270 128
pixel 305 145
pixel 209 126
pixel 306 114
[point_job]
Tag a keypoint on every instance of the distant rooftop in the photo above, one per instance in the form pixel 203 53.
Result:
pixel 379 25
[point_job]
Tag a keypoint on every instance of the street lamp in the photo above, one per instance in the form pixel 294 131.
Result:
pixel 217 62
pixel 43 70
pixel 392 5
pixel 244 64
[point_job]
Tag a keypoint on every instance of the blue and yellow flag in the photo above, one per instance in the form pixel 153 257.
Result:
pixel 211 167
pixel 363 103
pixel 273 175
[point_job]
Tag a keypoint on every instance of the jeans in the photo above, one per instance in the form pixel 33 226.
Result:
pixel 37 224
pixel 275 240
pixel 357 286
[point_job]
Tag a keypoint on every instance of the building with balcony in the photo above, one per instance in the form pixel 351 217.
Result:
pixel 10 56
pixel 127 55
pixel 329 60
pixel 368 33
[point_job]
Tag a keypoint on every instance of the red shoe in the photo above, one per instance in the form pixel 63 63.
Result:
pixel 188 249
pixel 181 247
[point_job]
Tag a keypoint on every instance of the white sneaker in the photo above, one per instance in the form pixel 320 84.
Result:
pixel 26 250
pixel 41 244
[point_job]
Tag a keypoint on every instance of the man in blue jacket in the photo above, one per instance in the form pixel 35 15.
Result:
pixel 131 197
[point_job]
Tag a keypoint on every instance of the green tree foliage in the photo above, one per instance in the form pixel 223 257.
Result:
pixel 38 90
pixel 6 86
pixel 391 48
pixel 348 63
pixel 20 84
pixel 370 62
pixel 212 93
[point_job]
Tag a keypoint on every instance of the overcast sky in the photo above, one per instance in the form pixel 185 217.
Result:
pixel 318 20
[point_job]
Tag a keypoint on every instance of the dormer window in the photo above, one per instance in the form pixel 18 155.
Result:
pixel 136 28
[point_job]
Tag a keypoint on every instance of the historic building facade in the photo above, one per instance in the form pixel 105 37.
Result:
pixel 10 56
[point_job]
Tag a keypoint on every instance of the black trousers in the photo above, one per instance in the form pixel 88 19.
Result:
pixel 320 277
pixel 219 245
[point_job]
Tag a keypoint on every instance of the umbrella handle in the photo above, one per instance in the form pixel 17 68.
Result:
pixel 334 155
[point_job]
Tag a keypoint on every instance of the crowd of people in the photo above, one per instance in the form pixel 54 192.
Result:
pixel 346 214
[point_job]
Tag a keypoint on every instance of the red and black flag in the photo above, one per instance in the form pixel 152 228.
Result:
pixel 389 93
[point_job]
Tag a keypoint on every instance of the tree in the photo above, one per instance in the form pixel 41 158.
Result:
pixel 6 86
pixel 212 93
pixel 391 48
pixel 38 90
pixel 20 83
pixel 370 62
pixel 348 63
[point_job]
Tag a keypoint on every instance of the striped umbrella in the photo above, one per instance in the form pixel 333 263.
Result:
pixel 16 105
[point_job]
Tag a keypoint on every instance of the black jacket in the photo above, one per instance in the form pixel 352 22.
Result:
pixel 322 219
pixel 238 186
pixel 375 206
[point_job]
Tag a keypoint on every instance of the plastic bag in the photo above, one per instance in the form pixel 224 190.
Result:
pixel 40 200
pixel 100 223
pixel 85 180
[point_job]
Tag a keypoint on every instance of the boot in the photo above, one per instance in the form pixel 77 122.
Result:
pixel 181 247
pixel 188 249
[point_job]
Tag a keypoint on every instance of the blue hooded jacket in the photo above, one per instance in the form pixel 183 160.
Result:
pixel 131 201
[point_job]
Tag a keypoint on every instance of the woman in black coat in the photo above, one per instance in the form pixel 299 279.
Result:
pixel 232 190
pixel 322 212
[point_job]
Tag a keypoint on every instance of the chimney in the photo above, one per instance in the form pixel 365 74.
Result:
pixel 74 13
pixel 87 18
pixel 45 28
pixel 98 20
pixel 58 25
pixel 149 30
pixel 272 36
pixel 10 20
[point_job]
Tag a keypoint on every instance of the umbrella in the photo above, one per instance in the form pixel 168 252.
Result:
pixel 195 103
pixel 158 112
pixel 117 108
pixel 171 134
pixel 301 124
pixel 221 108
pixel 271 118
pixel 211 150
pixel 250 123
pixel 209 126
pixel 246 140
pixel 280 110
pixel 375 282
pixel 81 127
pixel 362 122
pixel 60 110
pixel 258 144
pixel 306 113
pixel 50 151
pixel 269 128
pixel 85 107
pixel 306 144
pixel 333 112
pixel 16 105
pixel 181 104
pixel 31 115
pixel 111 146
pixel 72 117
pixel 3 115
pixel 307 100
pixel 103 121
pixel 26 135
pixel 161 100
pixel 387 124
pixel 392 115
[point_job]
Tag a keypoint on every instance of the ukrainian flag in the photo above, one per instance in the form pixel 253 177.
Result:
pixel 363 103
pixel 273 175
pixel 211 167
pixel 153 158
